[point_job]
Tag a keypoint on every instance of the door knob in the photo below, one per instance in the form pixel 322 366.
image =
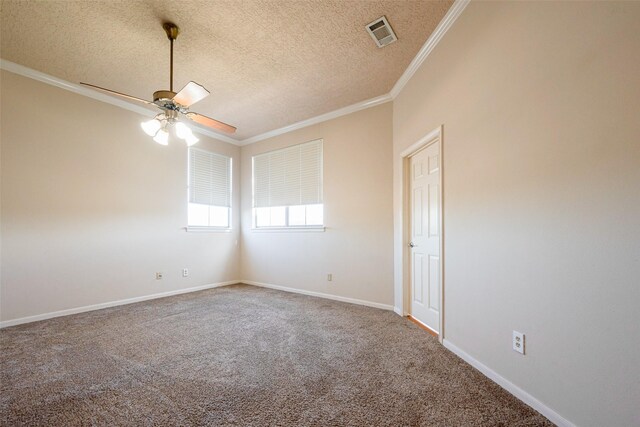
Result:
pixel 413 245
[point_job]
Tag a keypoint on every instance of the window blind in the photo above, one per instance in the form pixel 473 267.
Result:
pixel 291 176
pixel 209 178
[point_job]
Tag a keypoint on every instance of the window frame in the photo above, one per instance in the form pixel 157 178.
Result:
pixel 286 227
pixel 312 227
pixel 210 228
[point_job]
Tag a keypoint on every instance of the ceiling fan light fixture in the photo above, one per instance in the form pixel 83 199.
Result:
pixel 151 127
pixel 191 139
pixel 162 137
pixel 182 130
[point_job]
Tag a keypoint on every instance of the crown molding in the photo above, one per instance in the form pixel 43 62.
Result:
pixel 90 93
pixel 72 87
pixel 319 119
pixel 449 18
pixel 444 25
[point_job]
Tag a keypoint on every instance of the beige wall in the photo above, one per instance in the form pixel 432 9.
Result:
pixel 540 103
pixel 357 246
pixel 92 207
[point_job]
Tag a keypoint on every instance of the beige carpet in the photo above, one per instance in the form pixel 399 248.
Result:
pixel 243 356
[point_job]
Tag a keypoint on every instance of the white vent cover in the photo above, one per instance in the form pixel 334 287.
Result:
pixel 381 32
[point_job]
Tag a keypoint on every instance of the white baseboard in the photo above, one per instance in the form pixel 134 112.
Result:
pixel 29 319
pixel 552 415
pixel 320 295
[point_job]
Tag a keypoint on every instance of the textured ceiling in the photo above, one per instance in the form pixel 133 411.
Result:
pixel 267 64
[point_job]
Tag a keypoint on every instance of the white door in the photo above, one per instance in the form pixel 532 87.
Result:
pixel 425 236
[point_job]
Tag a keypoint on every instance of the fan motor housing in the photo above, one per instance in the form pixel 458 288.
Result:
pixel 164 100
pixel 163 95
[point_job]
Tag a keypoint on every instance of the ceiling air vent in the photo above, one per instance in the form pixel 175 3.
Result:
pixel 381 32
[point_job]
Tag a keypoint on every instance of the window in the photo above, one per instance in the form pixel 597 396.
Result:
pixel 287 187
pixel 209 190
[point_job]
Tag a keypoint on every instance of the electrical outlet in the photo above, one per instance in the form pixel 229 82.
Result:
pixel 329 277
pixel 158 276
pixel 185 272
pixel 518 342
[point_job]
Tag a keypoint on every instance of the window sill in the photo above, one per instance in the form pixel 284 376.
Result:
pixel 193 229
pixel 317 229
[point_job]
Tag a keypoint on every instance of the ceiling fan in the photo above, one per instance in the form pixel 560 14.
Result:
pixel 173 104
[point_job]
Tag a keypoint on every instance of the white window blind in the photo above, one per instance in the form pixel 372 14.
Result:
pixel 209 178
pixel 288 177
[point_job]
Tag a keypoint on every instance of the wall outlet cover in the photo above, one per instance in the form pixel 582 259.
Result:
pixel 518 342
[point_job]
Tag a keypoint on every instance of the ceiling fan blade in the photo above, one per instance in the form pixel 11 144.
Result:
pixel 190 94
pixel 207 121
pixel 113 92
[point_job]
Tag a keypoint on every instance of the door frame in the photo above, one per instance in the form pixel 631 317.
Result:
pixel 433 137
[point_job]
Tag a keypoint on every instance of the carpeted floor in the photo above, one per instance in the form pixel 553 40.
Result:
pixel 243 356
